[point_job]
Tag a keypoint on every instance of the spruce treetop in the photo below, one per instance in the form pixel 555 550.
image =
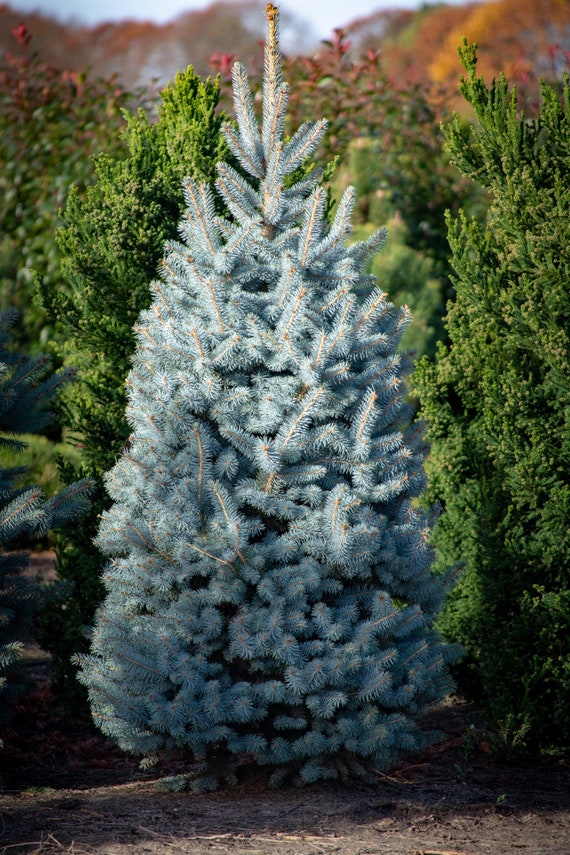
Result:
pixel 269 589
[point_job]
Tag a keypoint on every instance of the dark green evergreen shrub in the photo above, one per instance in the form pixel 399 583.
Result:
pixel 269 588
pixel 497 403
pixel 26 388
pixel 111 245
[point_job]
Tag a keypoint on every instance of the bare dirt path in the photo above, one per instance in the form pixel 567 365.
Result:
pixel 402 820
pixel 66 789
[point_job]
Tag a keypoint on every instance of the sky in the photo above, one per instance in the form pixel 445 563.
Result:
pixel 321 15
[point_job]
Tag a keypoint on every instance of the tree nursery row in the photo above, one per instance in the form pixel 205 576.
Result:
pixel 285 383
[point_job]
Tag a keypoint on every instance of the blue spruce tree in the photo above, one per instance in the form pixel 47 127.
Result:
pixel 26 388
pixel 269 589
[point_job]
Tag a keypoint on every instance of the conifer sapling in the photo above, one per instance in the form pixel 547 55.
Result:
pixel 26 388
pixel 269 588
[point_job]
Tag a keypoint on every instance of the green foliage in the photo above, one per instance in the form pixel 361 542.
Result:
pixel 409 278
pixel 26 388
pixel 51 122
pixel 111 244
pixel 496 401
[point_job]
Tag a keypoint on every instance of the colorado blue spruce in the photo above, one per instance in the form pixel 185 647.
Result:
pixel 269 586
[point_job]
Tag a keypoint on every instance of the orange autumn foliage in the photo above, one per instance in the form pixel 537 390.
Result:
pixel 516 37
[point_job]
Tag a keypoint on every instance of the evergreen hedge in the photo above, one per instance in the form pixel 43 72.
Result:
pixel 497 403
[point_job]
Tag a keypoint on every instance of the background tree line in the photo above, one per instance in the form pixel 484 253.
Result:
pixel 523 38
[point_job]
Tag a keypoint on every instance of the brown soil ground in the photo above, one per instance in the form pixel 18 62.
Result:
pixel 64 788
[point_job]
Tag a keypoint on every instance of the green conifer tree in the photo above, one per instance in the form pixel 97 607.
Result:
pixel 497 404
pixel 26 388
pixel 269 589
pixel 111 245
